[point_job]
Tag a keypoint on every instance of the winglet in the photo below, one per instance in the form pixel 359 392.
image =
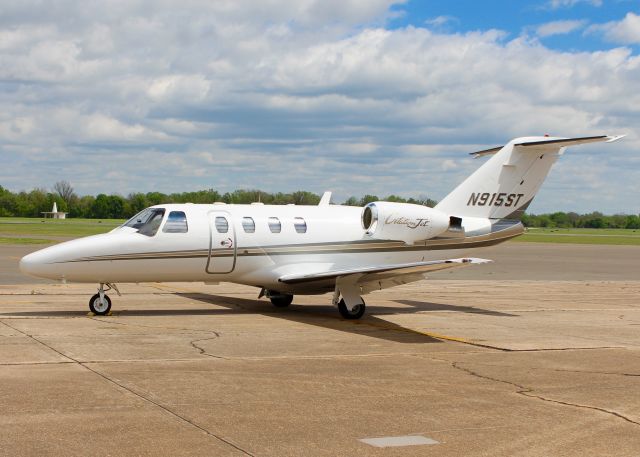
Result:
pixel 326 199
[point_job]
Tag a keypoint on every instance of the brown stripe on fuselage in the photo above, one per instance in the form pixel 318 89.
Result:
pixel 435 244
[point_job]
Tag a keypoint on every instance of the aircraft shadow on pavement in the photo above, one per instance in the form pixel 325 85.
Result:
pixel 319 316
pixel 124 311
pixel 427 306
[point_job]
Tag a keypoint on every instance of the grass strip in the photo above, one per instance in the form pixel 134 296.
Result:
pixel 6 240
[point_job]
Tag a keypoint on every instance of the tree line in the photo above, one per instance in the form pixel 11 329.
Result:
pixel 575 220
pixel 102 206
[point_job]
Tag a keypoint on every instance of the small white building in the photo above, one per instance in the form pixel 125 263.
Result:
pixel 54 213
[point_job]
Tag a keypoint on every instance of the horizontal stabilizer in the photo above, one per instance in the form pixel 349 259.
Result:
pixel 551 143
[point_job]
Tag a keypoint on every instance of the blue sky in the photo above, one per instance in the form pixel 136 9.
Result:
pixel 520 17
pixel 354 96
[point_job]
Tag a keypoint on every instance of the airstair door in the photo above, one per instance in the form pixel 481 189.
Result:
pixel 222 243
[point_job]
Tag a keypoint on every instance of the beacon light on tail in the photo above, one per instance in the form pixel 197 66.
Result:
pixel 289 250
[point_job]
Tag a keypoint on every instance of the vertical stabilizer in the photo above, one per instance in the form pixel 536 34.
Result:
pixel 504 186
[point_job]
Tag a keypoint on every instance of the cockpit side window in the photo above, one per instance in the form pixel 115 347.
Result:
pixel 151 222
pixel 176 223
pixel 139 219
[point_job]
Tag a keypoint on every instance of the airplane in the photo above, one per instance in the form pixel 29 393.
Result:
pixel 288 250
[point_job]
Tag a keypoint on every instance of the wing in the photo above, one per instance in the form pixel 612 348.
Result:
pixel 382 276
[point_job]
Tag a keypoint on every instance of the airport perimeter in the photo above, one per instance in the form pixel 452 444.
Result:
pixel 536 354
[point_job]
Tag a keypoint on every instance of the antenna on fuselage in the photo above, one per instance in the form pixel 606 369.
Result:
pixel 326 199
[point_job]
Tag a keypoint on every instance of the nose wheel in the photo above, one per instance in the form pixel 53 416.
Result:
pixel 100 306
pixel 100 303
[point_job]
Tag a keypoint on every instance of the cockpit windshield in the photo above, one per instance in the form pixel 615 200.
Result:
pixel 146 221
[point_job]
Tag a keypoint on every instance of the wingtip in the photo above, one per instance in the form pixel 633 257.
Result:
pixel 471 260
pixel 611 139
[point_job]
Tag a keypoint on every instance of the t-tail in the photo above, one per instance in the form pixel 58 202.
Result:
pixel 504 186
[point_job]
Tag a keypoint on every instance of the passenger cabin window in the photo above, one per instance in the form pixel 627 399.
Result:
pixel 248 225
pixel 176 223
pixel 300 225
pixel 222 225
pixel 146 221
pixel 274 225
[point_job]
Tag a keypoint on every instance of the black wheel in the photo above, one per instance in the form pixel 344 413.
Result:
pixel 356 313
pixel 281 300
pixel 100 307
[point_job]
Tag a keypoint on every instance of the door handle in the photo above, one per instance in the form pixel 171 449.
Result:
pixel 228 243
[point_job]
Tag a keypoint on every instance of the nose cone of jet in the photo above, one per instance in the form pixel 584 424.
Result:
pixel 36 264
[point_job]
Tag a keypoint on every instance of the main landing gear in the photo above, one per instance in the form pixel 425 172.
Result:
pixel 277 299
pixel 100 303
pixel 346 297
pixel 356 312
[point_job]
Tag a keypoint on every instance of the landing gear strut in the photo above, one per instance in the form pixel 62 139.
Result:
pixel 100 303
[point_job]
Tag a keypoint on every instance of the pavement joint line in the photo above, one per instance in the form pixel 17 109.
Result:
pixel 101 361
pixel 528 392
pixel 137 394
pixel 13 364
pixel 559 370
pixel 157 327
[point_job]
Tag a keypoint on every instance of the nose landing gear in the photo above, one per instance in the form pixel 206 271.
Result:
pixel 100 303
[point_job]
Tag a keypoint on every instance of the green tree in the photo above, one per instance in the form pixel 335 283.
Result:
pixel 352 201
pixel 368 199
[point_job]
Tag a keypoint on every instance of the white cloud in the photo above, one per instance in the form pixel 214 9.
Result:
pixel 439 21
pixel 281 96
pixel 556 4
pixel 559 27
pixel 625 31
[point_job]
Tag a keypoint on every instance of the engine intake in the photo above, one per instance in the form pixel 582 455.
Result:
pixel 402 222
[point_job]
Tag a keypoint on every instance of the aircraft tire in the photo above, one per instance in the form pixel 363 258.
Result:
pixel 282 300
pixel 97 308
pixel 357 312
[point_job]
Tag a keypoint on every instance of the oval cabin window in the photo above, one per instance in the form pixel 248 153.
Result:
pixel 274 225
pixel 300 225
pixel 248 225
pixel 222 226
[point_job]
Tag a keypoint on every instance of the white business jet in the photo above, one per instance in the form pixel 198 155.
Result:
pixel 288 250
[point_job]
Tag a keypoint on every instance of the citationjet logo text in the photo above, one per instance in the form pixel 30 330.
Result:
pixel 495 199
pixel 410 223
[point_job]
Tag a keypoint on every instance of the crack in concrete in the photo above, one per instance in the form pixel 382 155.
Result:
pixel 202 351
pixel 193 344
pixel 528 392
pixel 133 392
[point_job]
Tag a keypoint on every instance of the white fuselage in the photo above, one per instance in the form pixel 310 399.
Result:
pixel 311 239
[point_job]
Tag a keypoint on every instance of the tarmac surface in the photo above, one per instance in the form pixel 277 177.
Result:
pixel 536 354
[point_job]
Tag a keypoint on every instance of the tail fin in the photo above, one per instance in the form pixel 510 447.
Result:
pixel 504 186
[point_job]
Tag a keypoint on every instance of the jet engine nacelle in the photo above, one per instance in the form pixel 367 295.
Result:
pixel 403 221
